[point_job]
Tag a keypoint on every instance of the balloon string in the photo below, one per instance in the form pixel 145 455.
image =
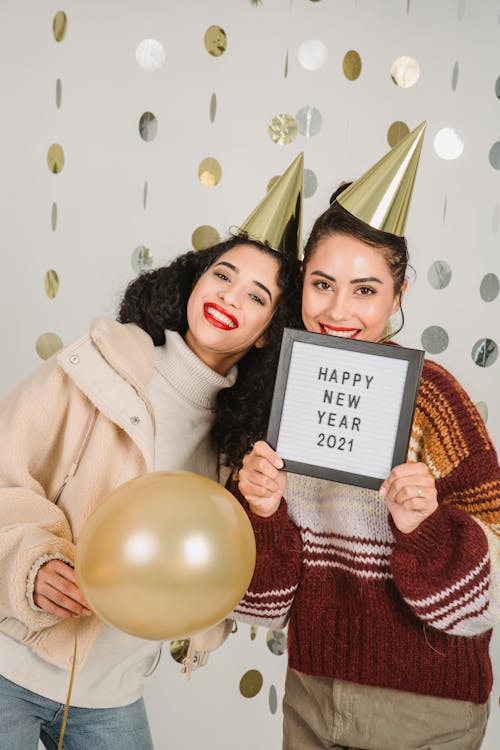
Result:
pixel 68 697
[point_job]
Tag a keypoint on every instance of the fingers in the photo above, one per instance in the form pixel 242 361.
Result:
pixel 260 481
pixel 260 473
pixel 263 459
pixel 410 494
pixel 408 482
pixel 56 591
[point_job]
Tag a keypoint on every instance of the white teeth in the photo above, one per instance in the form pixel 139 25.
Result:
pixel 340 334
pixel 221 317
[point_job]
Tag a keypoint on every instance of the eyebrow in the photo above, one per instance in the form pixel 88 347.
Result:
pixel 364 280
pixel 237 270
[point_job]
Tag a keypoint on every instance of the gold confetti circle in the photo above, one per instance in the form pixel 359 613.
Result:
pixel 251 683
pixel 55 158
pixel 59 25
pixel 209 172
pixel 48 344
pixel 51 283
pixel 205 236
pixel 253 632
pixel 213 107
pixel 283 129
pixel 53 217
pixel 351 65
pixel 179 649
pixel 215 41
pixel 397 132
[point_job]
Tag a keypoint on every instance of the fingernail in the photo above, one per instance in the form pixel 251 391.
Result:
pixel 382 491
pixel 86 612
pixel 279 463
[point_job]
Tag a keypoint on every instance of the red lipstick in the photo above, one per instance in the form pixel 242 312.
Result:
pixel 221 319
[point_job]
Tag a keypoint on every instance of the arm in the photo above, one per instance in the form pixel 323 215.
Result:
pixel 35 536
pixel 279 546
pixel 447 566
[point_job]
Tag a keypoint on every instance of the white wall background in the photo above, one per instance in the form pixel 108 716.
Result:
pixel 101 216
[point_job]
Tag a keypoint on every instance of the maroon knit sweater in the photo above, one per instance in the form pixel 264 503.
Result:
pixel 368 604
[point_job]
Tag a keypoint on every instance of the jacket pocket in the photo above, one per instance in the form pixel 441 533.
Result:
pixel 17 630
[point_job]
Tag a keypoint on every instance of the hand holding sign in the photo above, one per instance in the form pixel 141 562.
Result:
pixel 260 481
pixel 411 495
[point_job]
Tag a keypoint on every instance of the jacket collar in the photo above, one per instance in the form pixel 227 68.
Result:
pixel 117 341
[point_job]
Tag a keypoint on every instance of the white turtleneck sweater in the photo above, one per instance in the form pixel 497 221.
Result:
pixel 182 391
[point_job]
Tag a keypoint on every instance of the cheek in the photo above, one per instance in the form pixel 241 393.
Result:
pixel 190 310
pixel 379 311
pixel 309 307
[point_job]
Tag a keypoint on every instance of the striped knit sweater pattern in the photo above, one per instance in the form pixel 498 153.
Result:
pixel 368 604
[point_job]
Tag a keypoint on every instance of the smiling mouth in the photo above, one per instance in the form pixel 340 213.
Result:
pixel 217 317
pixel 340 331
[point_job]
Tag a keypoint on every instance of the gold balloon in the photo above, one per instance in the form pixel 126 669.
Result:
pixel 166 555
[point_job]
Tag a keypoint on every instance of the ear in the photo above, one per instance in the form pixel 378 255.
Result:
pixel 399 298
pixel 261 342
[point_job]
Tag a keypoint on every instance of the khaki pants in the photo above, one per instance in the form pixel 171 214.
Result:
pixel 321 713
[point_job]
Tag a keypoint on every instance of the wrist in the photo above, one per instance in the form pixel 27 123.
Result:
pixel 266 512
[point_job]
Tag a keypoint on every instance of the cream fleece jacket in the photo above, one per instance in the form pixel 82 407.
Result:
pixel 42 423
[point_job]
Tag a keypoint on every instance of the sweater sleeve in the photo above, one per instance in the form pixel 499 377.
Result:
pixel 448 569
pixel 277 571
pixel 31 526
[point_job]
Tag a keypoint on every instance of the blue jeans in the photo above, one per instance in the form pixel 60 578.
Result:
pixel 26 717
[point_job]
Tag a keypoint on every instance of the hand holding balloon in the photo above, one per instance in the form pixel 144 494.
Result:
pixel 166 555
pixel 56 591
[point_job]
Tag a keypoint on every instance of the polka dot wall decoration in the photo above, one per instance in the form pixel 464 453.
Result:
pixel 48 343
pixel 158 129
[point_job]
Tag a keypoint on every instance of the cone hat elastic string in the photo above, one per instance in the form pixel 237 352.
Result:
pixel 381 197
pixel 277 220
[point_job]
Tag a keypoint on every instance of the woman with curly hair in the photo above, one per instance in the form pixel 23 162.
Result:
pixel 171 385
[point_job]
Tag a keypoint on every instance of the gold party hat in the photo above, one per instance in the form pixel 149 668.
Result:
pixel 381 197
pixel 277 220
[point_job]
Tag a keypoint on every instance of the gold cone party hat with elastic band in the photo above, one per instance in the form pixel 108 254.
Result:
pixel 381 197
pixel 277 220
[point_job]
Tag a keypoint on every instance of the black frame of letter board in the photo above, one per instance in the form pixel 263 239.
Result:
pixel 415 358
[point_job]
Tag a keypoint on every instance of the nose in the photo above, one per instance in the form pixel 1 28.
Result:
pixel 229 295
pixel 339 309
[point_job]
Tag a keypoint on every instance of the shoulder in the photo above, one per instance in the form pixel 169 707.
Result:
pixel 444 407
pixel 108 333
pixel 437 382
pixel 125 347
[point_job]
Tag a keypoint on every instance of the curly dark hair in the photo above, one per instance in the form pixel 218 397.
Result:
pixel 157 300
pixel 336 220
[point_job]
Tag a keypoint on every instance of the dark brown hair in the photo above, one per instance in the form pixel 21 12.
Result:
pixel 336 220
pixel 157 300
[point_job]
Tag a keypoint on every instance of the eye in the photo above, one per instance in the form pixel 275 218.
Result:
pixel 365 290
pixel 256 298
pixel 323 286
pixel 222 276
